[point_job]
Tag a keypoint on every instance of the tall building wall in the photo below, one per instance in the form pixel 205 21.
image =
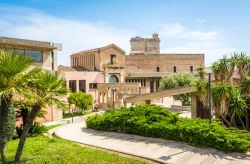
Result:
pixel 145 46
pixel 165 62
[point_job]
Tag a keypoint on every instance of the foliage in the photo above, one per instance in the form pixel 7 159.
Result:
pixel 230 97
pixel 178 80
pixel 82 100
pixel 155 121
pixel 41 149
pixel 13 72
pixel 49 89
pixel 35 129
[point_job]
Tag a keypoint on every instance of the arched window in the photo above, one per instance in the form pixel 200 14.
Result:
pixel 113 79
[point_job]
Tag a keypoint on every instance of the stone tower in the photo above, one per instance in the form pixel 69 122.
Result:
pixel 145 46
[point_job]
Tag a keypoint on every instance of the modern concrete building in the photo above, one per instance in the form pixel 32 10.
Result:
pixel 44 55
pixel 127 75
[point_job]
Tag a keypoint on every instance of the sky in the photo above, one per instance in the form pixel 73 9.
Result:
pixel 213 27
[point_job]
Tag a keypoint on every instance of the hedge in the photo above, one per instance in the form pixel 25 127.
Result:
pixel 155 121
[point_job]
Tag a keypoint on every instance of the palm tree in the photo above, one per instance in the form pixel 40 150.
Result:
pixel 238 106
pixel 49 88
pixel 13 68
pixel 242 64
pixel 221 94
pixel 245 88
pixel 223 69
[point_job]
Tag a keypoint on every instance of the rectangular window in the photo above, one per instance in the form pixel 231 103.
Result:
pixel 37 56
pixel 112 59
pixel 92 85
pixel 191 69
pixel 82 86
pixel 72 85
pixel 157 69
pixel 174 70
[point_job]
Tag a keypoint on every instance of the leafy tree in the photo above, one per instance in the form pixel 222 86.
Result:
pixel 48 88
pixel 13 69
pixel 82 100
pixel 179 80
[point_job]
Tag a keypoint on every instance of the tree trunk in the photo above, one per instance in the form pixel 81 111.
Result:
pixel 5 102
pixel 247 121
pixel 228 123
pixel 242 123
pixel 233 123
pixel 28 123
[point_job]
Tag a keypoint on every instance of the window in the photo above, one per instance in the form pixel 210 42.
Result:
pixel 37 56
pixel 191 69
pixel 82 86
pixel 112 59
pixel 113 79
pixel 92 85
pixel 72 85
pixel 174 70
pixel 157 69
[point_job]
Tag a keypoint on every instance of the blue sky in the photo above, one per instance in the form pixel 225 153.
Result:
pixel 213 27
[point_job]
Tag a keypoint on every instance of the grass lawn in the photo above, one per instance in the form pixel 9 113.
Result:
pixel 42 149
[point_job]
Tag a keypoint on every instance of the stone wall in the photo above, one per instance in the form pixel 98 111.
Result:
pixel 165 62
pixel 145 46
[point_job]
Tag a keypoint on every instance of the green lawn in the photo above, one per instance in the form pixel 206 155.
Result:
pixel 42 149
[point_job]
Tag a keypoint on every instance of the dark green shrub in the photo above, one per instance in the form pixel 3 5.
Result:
pixel 155 121
pixel 35 129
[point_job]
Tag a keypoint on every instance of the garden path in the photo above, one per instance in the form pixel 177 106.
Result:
pixel 163 151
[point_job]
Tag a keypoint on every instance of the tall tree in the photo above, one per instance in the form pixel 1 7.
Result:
pixel 49 89
pixel 13 68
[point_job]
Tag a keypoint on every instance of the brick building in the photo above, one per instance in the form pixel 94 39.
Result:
pixel 137 73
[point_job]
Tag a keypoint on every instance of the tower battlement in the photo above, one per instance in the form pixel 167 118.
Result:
pixel 145 46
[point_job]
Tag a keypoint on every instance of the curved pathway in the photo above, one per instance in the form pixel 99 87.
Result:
pixel 164 151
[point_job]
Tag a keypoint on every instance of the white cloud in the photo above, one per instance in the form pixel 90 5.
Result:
pixel 77 35
pixel 73 34
pixel 186 40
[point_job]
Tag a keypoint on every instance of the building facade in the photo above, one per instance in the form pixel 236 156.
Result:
pixel 44 55
pixel 137 73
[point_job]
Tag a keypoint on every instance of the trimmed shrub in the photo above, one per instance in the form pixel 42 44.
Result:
pixel 155 121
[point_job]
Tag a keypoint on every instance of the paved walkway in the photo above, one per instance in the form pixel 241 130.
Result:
pixel 159 149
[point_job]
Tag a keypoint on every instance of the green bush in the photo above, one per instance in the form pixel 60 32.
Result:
pixel 155 121
pixel 35 129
